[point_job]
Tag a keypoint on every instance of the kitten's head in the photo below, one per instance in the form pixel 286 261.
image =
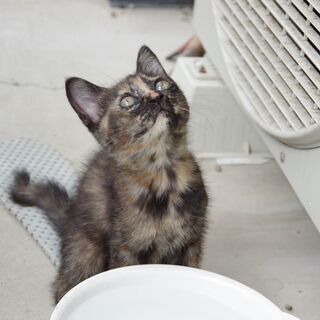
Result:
pixel 142 108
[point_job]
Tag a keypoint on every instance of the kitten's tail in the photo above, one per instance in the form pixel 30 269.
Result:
pixel 50 197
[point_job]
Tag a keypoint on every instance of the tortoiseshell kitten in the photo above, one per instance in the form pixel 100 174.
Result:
pixel 142 198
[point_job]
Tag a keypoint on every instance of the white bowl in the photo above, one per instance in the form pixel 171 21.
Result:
pixel 163 292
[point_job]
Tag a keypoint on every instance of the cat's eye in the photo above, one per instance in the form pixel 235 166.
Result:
pixel 162 85
pixel 127 102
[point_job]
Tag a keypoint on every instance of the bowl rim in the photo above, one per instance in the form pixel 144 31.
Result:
pixel 76 292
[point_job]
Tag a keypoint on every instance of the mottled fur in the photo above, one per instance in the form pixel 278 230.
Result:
pixel 142 198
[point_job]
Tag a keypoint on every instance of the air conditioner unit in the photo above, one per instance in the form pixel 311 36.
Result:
pixel 218 127
pixel 267 52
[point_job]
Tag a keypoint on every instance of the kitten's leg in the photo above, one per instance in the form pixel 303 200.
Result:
pixel 122 257
pixel 81 259
pixel 189 255
pixel 192 254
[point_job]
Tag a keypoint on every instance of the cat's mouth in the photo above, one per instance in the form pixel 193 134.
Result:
pixel 165 109
pixel 164 112
pixel 168 115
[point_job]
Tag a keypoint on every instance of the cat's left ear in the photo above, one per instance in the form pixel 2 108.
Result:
pixel 148 63
pixel 84 98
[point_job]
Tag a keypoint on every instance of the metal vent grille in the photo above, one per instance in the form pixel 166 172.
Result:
pixel 274 49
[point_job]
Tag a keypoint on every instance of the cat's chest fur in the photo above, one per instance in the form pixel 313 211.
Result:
pixel 167 232
pixel 155 214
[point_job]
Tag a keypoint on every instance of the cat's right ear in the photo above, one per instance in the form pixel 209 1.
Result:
pixel 84 99
pixel 148 63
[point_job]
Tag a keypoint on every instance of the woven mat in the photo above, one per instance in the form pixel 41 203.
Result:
pixel 42 162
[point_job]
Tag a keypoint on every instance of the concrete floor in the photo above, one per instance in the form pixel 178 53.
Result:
pixel 259 233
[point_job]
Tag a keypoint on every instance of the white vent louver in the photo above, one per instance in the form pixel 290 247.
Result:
pixel 274 47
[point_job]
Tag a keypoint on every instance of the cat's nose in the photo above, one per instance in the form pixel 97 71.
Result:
pixel 155 97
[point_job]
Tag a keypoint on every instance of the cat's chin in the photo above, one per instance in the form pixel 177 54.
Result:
pixel 160 125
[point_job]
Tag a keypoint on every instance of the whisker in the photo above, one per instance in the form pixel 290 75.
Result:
pixel 181 108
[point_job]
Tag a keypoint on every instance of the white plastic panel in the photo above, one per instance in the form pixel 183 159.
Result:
pixel 217 124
